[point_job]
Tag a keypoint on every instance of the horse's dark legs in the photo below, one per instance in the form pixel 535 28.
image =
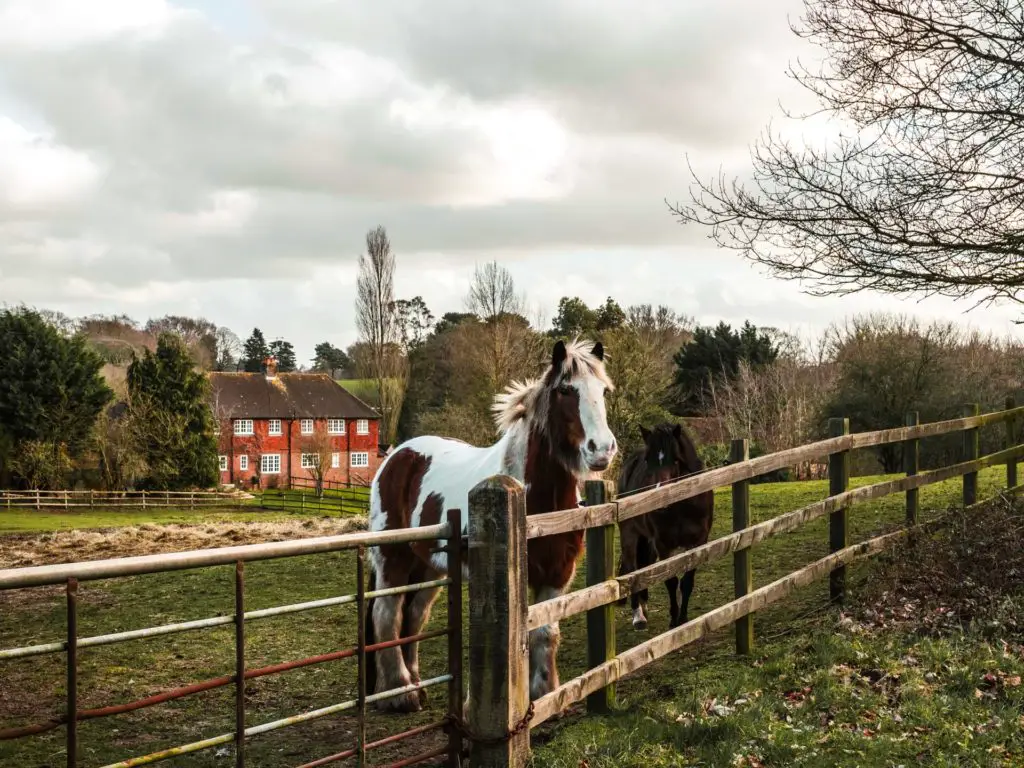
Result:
pixel 672 587
pixel 638 600
pixel 688 579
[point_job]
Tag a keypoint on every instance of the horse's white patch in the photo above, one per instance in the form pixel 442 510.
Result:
pixel 661 457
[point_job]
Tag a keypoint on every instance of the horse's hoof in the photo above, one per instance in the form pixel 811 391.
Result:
pixel 640 626
pixel 403 703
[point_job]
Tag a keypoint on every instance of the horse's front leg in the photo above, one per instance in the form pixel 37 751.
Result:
pixel 688 579
pixel 672 586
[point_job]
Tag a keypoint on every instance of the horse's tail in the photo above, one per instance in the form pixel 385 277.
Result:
pixel 369 637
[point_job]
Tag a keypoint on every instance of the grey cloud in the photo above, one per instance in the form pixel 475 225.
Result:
pixel 677 69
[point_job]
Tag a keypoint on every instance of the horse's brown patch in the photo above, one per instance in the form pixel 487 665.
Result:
pixel 550 560
pixel 399 486
pixel 430 514
pixel 564 423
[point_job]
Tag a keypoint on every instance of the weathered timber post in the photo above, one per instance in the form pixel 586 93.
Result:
pixel 1011 441
pixel 838 481
pixel 600 620
pixel 743 577
pixel 912 465
pixel 499 693
pixel 971 452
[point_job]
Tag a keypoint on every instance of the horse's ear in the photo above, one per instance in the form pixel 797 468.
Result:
pixel 558 355
pixel 598 351
pixel 677 431
pixel 645 433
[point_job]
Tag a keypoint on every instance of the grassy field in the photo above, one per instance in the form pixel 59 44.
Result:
pixel 279 505
pixel 364 389
pixel 701 706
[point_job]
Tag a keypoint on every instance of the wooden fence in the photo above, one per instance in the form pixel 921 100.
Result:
pixel 499 657
pixel 49 500
pixel 307 503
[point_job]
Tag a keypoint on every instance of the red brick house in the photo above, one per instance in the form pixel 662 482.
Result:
pixel 277 426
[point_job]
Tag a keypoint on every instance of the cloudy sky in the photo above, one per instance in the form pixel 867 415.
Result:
pixel 225 158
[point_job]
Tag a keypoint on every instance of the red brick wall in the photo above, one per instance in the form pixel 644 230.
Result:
pixel 234 446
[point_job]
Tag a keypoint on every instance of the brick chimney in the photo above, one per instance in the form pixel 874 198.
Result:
pixel 270 367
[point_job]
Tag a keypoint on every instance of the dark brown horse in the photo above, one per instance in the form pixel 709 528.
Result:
pixel 668 454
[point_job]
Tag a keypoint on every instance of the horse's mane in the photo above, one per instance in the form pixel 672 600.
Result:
pixel 527 401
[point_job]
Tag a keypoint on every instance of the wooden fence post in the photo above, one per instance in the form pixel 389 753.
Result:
pixel 743 577
pixel 912 465
pixel 601 620
pixel 971 452
pixel 1011 441
pixel 499 692
pixel 838 481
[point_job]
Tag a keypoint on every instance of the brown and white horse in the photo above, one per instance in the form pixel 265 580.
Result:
pixel 553 433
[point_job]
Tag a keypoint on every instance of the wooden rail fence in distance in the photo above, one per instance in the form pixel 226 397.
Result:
pixel 47 500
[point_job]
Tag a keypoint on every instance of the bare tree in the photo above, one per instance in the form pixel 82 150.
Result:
pixel 925 195
pixel 508 344
pixel 492 292
pixel 379 329
pixel 320 447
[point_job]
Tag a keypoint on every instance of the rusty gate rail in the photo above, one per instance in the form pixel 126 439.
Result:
pixel 70 574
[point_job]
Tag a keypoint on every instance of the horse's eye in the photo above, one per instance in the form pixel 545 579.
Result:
pixel 565 389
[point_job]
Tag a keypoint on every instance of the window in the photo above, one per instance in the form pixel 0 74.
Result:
pixel 306 426
pixel 274 427
pixel 360 459
pixel 270 463
pixel 243 426
pixel 223 463
pixel 243 463
pixel 335 460
pixel 336 426
pixel 363 427
pixel 310 460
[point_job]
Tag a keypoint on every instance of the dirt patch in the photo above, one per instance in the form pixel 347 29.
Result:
pixel 20 551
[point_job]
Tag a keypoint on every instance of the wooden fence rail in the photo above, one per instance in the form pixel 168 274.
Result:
pixel 43 499
pixel 603 589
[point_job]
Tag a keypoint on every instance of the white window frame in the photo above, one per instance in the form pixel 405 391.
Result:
pixel 223 462
pixel 243 462
pixel 335 460
pixel 274 427
pixel 303 424
pixel 244 427
pixel 335 426
pixel 363 459
pixel 264 463
pixel 309 460
pixel 363 427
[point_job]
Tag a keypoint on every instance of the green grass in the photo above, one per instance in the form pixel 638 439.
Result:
pixel 364 389
pixel 341 501
pixel 280 505
pixel 645 731
pixel 33 521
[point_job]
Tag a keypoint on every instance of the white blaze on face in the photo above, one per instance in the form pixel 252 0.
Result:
pixel 599 446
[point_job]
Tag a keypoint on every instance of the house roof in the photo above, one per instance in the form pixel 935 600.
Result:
pixel 287 396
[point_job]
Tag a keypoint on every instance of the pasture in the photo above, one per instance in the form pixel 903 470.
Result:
pixel 664 717
pixel 272 505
